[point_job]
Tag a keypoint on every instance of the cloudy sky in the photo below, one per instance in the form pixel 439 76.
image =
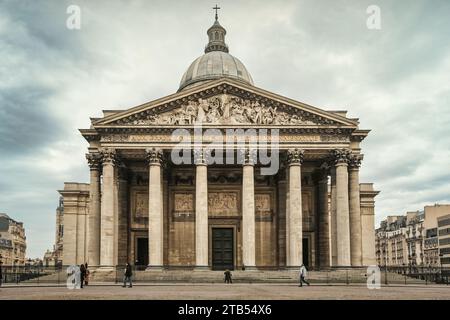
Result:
pixel 52 79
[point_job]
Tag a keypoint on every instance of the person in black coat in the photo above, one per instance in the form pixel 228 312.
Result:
pixel 82 275
pixel 127 276
pixel 227 278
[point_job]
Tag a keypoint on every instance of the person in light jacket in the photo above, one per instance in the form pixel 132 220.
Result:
pixel 303 272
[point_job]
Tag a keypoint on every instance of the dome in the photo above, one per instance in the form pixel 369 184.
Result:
pixel 214 65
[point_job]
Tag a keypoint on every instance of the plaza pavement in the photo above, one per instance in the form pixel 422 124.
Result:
pixel 223 291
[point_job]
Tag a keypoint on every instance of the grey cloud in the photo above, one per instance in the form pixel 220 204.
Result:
pixel 25 120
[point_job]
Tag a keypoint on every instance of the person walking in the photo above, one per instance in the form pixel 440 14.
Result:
pixel 127 276
pixel 86 277
pixel 82 275
pixel 303 273
pixel 227 274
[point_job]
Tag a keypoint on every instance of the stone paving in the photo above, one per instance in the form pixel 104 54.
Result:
pixel 223 291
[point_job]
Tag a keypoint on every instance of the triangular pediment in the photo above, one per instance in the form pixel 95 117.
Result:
pixel 224 102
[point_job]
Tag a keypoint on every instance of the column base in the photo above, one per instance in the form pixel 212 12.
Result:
pixel 293 268
pixel 154 268
pixel 105 268
pixel 250 268
pixel 201 268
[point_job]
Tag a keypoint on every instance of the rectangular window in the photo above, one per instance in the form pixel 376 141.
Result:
pixel 444 232
pixel 443 242
pixel 442 223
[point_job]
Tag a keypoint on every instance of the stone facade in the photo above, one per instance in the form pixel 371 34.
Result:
pixel 148 208
pixel 12 241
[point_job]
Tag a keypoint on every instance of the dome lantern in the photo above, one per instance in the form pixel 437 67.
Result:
pixel 216 35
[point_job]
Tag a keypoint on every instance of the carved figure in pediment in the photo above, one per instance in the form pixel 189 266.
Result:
pixel 202 108
pixel 190 112
pixel 237 112
pixel 214 114
pixel 258 113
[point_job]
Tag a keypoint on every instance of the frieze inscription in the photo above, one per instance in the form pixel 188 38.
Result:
pixel 131 138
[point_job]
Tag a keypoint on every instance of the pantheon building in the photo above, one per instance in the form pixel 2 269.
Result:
pixel 143 206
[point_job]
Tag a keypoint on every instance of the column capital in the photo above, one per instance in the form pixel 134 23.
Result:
pixel 94 160
pixel 295 156
pixel 200 157
pixel 154 156
pixel 355 161
pixel 109 156
pixel 340 156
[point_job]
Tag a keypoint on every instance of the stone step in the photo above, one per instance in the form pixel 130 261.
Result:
pixel 333 276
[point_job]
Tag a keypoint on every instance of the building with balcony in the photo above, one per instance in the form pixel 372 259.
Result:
pixel 419 238
pixel 12 241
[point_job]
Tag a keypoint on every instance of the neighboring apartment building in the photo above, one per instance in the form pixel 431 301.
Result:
pixel 444 239
pixel 12 241
pixel 419 238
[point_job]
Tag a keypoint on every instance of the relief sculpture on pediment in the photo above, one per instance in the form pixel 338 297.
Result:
pixel 228 109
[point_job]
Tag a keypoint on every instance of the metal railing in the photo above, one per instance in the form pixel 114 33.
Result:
pixel 389 275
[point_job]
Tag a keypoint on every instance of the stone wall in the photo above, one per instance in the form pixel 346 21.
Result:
pixel 76 209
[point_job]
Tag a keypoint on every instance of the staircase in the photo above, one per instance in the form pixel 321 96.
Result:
pixel 341 276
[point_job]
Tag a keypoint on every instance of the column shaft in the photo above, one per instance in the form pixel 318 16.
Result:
pixel 295 216
pixel 324 224
pixel 155 210
pixel 94 218
pixel 155 217
pixel 355 218
pixel 342 215
pixel 248 217
pixel 201 216
pixel 107 215
pixel 333 224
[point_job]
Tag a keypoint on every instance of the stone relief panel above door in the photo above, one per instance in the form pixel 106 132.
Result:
pixel 223 203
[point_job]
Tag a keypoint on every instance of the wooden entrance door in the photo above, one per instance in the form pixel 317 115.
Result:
pixel 222 248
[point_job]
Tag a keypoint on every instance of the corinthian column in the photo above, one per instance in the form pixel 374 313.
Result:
pixel 201 211
pixel 342 208
pixel 94 160
pixel 248 211
pixel 107 209
pixel 294 222
pixel 355 211
pixel 155 209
